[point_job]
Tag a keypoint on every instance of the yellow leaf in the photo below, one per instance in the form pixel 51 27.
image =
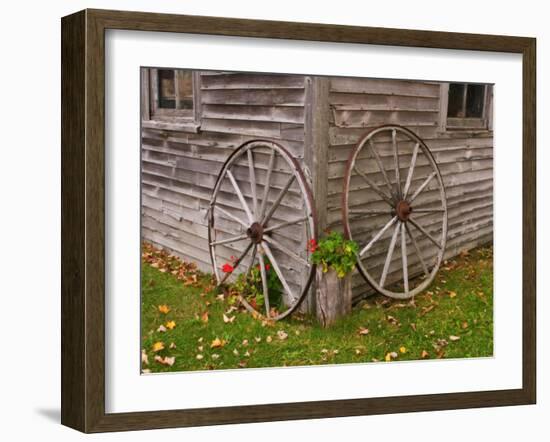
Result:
pixel 454 338
pixel 424 354
pixel 391 355
pixel 199 357
pixel 452 294
pixel 268 339
pixel 164 308
pixel 216 343
pixel 158 346
pixel 403 349
pixel 171 325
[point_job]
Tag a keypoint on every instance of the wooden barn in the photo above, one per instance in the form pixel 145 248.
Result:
pixel 192 122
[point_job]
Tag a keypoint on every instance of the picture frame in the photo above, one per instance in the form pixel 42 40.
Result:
pixel 84 229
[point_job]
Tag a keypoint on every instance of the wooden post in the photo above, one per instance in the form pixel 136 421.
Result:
pixel 316 145
pixel 333 296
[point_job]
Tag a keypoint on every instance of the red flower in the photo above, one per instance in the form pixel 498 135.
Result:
pixel 312 245
pixel 267 266
pixel 227 268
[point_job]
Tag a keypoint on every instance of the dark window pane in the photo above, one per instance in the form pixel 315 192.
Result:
pixel 475 98
pixel 185 89
pixel 166 89
pixel 455 107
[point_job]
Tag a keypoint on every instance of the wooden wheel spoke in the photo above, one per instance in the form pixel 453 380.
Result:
pixel 417 210
pixel 230 215
pixel 422 186
pixel 277 269
pixel 404 258
pixel 380 166
pixel 411 171
pixel 265 288
pixel 240 196
pixel 389 256
pixel 252 175
pixel 417 250
pixel 378 236
pixel 286 250
pixel 228 240
pixel 425 232
pixel 236 264
pixel 396 160
pixel 374 186
pixel 267 184
pixel 369 212
pixel 278 200
pixel 285 224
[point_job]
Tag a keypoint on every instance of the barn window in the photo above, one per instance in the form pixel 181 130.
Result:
pixel 172 100
pixel 466 106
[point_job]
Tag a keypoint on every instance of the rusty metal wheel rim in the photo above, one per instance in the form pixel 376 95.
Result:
pixel 402 212
pixel 258 227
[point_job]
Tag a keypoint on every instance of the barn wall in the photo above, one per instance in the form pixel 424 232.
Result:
pixel 465 158
pixel 179 168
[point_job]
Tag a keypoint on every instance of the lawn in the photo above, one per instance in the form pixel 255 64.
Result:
pixel 188 324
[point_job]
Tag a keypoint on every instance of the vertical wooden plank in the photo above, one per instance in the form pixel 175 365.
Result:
pixel 144 95
pixel 197 99
pixel 443 106
pixel 73 114
pixel 316 145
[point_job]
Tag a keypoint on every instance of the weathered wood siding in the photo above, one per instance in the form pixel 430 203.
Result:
pixel 180 168
pixel 465 158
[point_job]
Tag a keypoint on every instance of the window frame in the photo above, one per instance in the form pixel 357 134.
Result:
pixel 467 124
pixel 155 117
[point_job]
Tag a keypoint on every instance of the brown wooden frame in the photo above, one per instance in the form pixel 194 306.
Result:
pixel 83 220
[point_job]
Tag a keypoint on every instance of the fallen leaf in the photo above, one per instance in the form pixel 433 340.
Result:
pixel 413 326
pixel 242 364
pixel 217 343
pixel 164 308
pixel 228 319
pixel 172 345
pixel 200 348
pixel 363 331
pixel 204 317
pixel 199 357
pixel 424 354
pixel 144 357
pixel 245 342
pixel 402 349
pixel 452 294
pixel 268 339
pixel 161 329
pixel 392 320
pixel 391 355
pixel 282 335
pixel 454 338
pixel 464 325
pixel 236 352
pixel 166 360
pixel 427 310
pixel 215 356
pixel 247 353
pixel 200 339
pixel 171 325
pixel 158 346
pixel 258 339
pixel 146 371
pixel 220 297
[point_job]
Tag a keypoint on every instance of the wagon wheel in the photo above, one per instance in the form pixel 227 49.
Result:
pixel 261 220
pixel 389 184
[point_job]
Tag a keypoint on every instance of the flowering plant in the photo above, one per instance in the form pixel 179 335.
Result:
pixel 250 286
pixel 334 252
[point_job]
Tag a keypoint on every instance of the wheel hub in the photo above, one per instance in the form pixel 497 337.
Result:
pixel 403 210
pixel 255 232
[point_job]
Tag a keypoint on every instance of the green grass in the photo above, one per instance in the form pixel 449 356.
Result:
pixel 408 329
